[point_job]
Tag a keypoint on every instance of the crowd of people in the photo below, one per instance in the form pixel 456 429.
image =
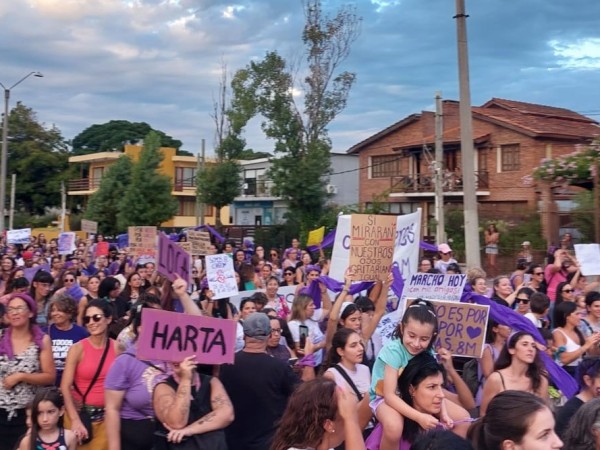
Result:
pixel 312 373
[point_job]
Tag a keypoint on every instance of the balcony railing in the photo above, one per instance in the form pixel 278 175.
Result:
pixel 257 188
pixel 181 185
pixel 421 183
pixel 84 184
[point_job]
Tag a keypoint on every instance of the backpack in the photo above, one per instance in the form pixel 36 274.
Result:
pixel 470 375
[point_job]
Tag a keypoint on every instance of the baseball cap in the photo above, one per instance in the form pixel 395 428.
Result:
pixel 27 255
pixel 525 243
pixel 444 248
pixel 258 326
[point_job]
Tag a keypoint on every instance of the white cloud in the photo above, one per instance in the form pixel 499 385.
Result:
pixel 581 54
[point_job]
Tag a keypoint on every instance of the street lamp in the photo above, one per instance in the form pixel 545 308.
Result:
pixel 4 156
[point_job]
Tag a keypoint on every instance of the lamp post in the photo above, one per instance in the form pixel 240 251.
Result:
pixel 4 156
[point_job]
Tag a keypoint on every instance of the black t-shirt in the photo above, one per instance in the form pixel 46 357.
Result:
pixel 259 387
pixel 565 413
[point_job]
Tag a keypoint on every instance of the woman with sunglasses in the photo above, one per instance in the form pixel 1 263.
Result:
pixel 564 293
pixel 522 300
pixel 536 282
pixel 92 355
pixel 289 277
pixel 25 363
pixel 128 389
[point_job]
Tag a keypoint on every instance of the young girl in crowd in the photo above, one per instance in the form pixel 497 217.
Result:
pixel 47 431
pixel 415 334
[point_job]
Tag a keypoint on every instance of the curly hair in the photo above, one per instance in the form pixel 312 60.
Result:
pixel 536 369
pixel 580 434
pixel 302 424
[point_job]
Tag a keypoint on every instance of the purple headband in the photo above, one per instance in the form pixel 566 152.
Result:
pixel 312 268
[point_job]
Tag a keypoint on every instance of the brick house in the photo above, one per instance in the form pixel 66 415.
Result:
pixel 510 139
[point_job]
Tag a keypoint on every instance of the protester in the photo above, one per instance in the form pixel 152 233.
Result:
pixel 25 363
pixel 446 258
pixel 518 367
pixel 259 387
pixel 515 420
pixel 88 363
pixel 588 378
pixel 320 417
pixel 583 432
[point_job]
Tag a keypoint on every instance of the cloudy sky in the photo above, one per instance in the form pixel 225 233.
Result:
pixel 159 61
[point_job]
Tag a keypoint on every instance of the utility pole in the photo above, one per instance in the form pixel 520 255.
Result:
pixel 472 251
pixel 199 168
pixel 63 212
pixel 440 233
pixel 13 185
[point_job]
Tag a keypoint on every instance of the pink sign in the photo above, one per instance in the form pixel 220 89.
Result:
pixel 171 336
pixel 172 259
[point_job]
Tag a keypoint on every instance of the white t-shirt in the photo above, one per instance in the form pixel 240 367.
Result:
pixel 314 333
pixel 537 322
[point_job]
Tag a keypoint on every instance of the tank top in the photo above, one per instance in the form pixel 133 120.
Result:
pixel 570 346
pixel 21 394
pixel 86 369
pixel 59 444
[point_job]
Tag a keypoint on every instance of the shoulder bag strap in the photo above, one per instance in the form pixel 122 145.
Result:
pixel 96 375
pixel 346 377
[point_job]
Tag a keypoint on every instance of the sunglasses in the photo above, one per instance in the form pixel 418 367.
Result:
pixel 538 273
pixel 523 300
pixel 446 253
pixel 96 318
pixel 567 291
pixel 69 280
pixel 289 273
pixel 273 254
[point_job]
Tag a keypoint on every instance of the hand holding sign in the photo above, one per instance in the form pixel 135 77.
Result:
pixel 179 286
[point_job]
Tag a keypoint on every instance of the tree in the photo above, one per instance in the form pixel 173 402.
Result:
pixel 300 170
pixel 39 157
pixel 113 135
pixel 219 184
pixel 148 199
pixel 103 206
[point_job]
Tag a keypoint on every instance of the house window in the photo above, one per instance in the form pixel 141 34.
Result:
pixel 97 174
pixel 510 155
pixel 482 162
pixel 185 177
pixel 187 206
pixel 385 166
pixel 209 210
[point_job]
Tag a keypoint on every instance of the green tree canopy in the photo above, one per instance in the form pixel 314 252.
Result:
pixel 574 168
pixel 113 135
pixel 302 165
pixel 39 157
pixel 219 184
pixel 104 206
pixel 148 199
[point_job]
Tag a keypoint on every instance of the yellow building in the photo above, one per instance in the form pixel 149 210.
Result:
pixel 181 170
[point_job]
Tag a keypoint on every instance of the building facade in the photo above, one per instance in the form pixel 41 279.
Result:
pixel 181 170
pixel 510 139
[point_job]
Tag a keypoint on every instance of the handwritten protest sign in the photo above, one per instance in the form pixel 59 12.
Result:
pixel 142 243
pixel 406 247
pixel 588 256
pixel 20 236
pixel 461 328
pixel 427 286
pixel 171 336
pixel 89 226
pixel 221 276
pixel 435 286
pixel 187 246
pixel 315 237
pixel 372 239
pixel 200 241
pixel 172 259
pixel 66 243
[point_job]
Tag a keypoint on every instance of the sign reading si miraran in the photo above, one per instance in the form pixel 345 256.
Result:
pixel 372 239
